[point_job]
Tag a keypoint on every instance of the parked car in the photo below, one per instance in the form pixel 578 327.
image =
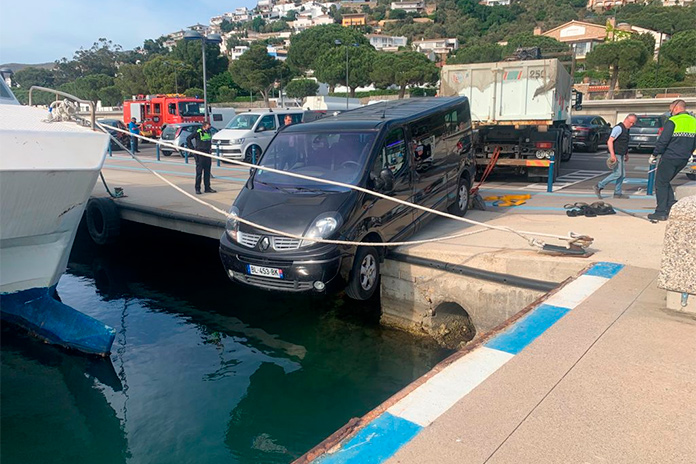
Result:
pixel 123 138
pixel 373 147
pixel 248 134
pixel 590 131
pixel 690 169
pixel 176 134
pixel 646 130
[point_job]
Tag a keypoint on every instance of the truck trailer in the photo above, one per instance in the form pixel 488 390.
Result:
pixel 521 108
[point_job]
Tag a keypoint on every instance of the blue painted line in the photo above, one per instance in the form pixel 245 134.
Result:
pixel 528 329
pixel 635 181
pixel 606 270
pixel 375 443
pixel 176 173
pixel 172 163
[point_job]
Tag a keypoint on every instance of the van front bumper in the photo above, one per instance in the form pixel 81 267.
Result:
pixel 302 270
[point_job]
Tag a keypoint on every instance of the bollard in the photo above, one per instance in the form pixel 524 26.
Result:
pixel 157 149
pixel 186 156
pixel 217 153
pixel 132 147
pixel 253 154
pixel 651 178
pixel 549 182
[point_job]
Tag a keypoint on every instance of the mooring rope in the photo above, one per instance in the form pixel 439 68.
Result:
pixel 571 239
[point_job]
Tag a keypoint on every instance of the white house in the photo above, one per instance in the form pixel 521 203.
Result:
pixel 440 47
pixel 387 43
pixel 238 51
pixel 410 6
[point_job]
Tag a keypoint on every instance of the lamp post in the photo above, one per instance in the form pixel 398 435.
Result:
pixel 210 38
pixel 338 42
pixel 176 77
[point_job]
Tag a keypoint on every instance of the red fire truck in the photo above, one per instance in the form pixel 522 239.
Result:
pixel 154 111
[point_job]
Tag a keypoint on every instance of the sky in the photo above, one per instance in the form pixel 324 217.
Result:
pixel 41 31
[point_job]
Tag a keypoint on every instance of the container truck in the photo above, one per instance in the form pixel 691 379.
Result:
pixel 522 107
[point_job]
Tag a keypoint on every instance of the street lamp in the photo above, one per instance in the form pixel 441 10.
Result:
pixel 210 38
pixel 338 42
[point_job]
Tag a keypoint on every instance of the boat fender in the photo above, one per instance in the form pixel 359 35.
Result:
pixel 103 220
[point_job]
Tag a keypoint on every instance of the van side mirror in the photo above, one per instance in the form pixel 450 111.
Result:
pixel 385 181
pixel 260 128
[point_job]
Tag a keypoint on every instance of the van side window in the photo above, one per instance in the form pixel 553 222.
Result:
pixel 393 155
pixel 172 108
pixel 296 118
pixel 217 117
pixel 268 122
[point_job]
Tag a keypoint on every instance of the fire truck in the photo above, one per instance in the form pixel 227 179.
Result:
pixel 155 111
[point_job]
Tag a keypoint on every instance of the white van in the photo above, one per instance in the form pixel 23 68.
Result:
pixel 220 117
pixel 249 133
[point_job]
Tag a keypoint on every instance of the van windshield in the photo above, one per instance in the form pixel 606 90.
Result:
pixel 243 121
pixel 335 156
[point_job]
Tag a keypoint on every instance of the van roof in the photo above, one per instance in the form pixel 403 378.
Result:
pixel 373 116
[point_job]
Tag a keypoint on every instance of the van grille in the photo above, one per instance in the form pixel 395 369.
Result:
pixel 278 243
pixel 248 240
pixel 274 284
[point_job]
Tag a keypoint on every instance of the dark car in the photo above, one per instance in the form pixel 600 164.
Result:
pixel 590 131
pixel 120 136
pixel 646 130
pixel 373 147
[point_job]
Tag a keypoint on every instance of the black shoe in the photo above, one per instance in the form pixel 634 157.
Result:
pixel 657 217
pixel 597 191
pixel 198 192
pixel 620 195
pixel 209 190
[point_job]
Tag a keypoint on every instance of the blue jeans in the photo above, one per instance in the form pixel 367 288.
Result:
pixel 617 175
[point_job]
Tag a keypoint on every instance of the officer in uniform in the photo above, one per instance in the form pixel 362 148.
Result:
pixel 201 140
pixel 674 147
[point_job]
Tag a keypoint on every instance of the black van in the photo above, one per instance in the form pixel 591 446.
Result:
pixel 418 150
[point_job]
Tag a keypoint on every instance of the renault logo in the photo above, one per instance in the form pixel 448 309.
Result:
pixel 265 243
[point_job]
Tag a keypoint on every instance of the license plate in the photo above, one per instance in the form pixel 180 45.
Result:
pixel 265 271
pixel 641 138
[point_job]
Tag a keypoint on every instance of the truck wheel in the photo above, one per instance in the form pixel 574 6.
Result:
pixel 461 206
pixel 103 220
pixel 567 149
pixel 364 277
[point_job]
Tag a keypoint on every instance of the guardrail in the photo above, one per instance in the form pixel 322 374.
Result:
pixel 92 112
pixel 626 94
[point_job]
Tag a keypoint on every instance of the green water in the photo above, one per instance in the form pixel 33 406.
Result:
pixel 202 371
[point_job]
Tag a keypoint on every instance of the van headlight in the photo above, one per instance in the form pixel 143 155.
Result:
pixel 232 225
pixel 237 141
pixel 323 226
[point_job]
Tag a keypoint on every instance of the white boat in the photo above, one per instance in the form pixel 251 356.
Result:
pixel 47 173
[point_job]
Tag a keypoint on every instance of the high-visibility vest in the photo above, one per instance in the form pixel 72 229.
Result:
pixel 204 136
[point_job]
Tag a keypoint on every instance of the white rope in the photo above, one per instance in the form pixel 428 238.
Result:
pixel 571 239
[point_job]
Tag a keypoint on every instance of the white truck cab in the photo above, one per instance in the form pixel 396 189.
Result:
pixel 249 133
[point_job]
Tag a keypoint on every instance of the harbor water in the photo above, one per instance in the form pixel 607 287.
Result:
pixel 202 370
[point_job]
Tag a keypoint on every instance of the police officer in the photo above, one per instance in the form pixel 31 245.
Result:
pixel 674 147
pixel 201 140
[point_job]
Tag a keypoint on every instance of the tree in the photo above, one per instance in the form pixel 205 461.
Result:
pixel 308 45
pixel 331 66
pixel 130 80
pixel 226 26
pixel 482 53
pixel 101 58
pixel 257 71
pixel 29 76
pixel 222 80
pixel 194 92
pixel 225 94
pixel 88 87
pixel 155 47
pixel 397 14
pixel 166 75
pixel 110 96
pixel 646 39
pixel 546 44
pixel 403 69
pixel 654 76
pixel 624 55
pixel 680 49
pixel 301 88
pixel 189 51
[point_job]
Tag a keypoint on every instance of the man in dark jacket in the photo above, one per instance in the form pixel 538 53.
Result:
pixel 201 140
pixel 674 148
pixel 618 155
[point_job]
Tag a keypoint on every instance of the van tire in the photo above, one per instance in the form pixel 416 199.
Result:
pixel 365 275
pixel 248 154
pixel 103 220
pixel 463 188
pixel 166 153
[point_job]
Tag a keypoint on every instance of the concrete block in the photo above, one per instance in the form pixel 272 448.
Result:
pixel 678 269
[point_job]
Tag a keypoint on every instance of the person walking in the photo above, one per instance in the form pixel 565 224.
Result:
pixel 674 147
pixel 201 140
pixel 134 128
pixel 618 155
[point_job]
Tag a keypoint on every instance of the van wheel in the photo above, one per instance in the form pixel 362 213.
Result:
pixel 103 220
pixel 249 154
pixel 166 153
pixel 461 206
pixel 364 277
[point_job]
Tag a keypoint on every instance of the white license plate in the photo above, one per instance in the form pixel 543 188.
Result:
pixel 265 271
pixel 641 138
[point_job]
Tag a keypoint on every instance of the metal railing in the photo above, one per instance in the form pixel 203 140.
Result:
pixel 92 106
pixel 626 94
